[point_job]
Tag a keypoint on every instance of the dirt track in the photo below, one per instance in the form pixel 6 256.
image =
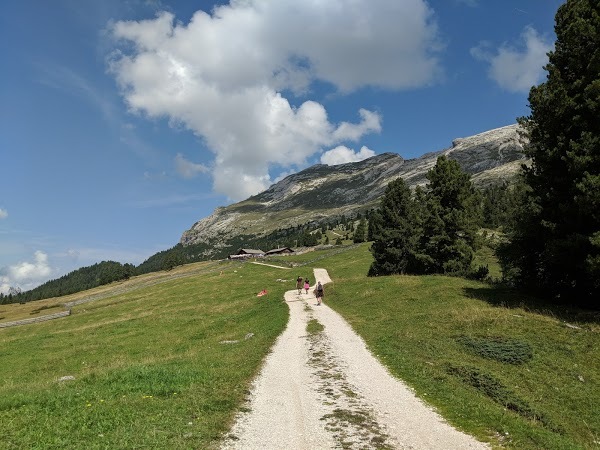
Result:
pixel 326 390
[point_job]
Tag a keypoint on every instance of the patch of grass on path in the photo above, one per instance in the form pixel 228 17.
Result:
pixel 150 369
pixel 314 327
pixel 434 332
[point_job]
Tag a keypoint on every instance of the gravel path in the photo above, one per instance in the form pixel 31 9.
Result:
pixel 326 390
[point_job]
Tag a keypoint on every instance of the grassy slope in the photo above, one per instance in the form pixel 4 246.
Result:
pixel 412 324
pixel 150 371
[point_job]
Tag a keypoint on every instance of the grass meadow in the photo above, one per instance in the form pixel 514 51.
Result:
pixel 495 363
pixel 151 372
pixel 149 368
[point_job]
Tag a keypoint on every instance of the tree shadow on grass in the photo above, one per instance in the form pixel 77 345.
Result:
pixel 505 297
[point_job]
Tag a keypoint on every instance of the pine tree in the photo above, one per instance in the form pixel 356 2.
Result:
pixel 394 234
pixel 556 241
pixel 450 220
pixel 374 220
pixel 360 232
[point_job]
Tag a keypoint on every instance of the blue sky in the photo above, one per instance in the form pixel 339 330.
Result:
pixel 123 122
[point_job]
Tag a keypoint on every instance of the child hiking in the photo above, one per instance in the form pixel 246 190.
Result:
pixel 306 285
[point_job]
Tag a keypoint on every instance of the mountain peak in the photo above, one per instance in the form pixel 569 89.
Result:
pixel 323 191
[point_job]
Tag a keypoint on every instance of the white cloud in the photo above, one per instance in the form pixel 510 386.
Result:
pixel 3 213
pixel 26 275
pixel 4 285
pixel 188 169
pixel 371 122
pixel 516 70
pixel 223 75
pixel 342 154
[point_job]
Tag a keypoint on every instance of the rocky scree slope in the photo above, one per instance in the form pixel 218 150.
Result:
pixel 323 191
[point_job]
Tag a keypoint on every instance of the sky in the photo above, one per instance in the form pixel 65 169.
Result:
pixel 124 122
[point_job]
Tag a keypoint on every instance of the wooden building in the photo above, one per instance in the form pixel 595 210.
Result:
pixel 244 253
pixel 280 251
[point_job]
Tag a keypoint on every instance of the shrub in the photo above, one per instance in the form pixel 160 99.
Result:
pixel 480 273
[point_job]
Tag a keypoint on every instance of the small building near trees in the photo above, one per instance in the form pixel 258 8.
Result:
pixel 244 253
pixel 280 251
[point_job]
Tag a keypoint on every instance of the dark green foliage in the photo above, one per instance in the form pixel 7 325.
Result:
pixel 480 273
pixel 374 221
pixel 499 203
pixel 395 236
pixel 503 349
pixel 360 233
pixel 494 389
pixel 556 240
pixel 432 231
pixel 451 219
pixel 175 256
pixel 173 259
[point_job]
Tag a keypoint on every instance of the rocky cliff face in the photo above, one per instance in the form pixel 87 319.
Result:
pixel 323 191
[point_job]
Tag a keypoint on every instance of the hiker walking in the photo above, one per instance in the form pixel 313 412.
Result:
pixel 320 293
pixel 299 284
pixel 306 285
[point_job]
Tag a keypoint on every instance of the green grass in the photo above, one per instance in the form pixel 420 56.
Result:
pixel 151 372
pixel 418 327
pixel 485 257
pixel 314 327
pixel 149 368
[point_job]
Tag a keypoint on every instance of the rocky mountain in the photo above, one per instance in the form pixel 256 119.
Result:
pixel 323 191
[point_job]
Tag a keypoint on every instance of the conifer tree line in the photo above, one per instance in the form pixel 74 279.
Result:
pixel 431 230
pixel 551 214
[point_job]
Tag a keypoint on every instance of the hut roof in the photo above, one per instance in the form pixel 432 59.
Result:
pixel 249 251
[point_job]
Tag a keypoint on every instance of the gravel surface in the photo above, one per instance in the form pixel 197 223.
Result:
pixel 326 390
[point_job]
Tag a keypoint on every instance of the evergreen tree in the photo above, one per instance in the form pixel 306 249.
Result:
pixel 360 232
pixel 556 240
pixel 173 259
pixel 498 205
pixel 394 234
pixel 450 220
pixel 374 220
pixel 428 222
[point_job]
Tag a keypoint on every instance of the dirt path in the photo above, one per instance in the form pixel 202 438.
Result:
pixel 271 265
pixel 326 390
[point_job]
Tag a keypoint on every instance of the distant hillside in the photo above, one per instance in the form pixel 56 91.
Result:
pixel 321 192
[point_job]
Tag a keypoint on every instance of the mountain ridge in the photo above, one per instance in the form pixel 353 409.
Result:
pixel 322 191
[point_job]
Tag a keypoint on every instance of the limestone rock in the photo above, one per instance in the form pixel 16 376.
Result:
pixel 323 191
